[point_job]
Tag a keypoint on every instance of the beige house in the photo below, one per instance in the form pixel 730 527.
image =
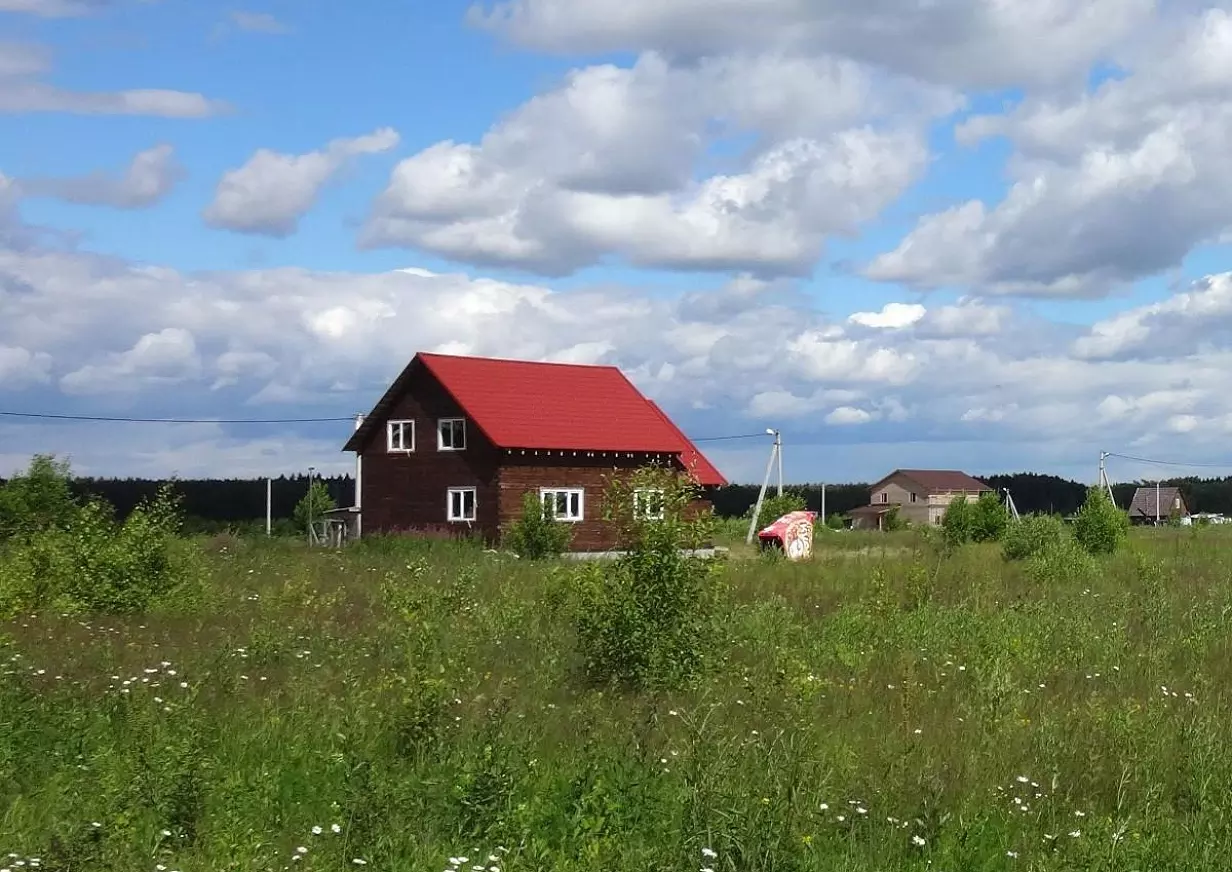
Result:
pixel 921 496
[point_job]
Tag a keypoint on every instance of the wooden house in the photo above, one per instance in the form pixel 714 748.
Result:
pixel 456 442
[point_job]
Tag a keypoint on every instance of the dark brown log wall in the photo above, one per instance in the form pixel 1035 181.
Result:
pixel 407 492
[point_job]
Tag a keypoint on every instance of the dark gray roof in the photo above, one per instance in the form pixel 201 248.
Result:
pixel 1143 504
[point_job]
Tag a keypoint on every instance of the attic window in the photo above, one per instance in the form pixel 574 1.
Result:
pixel 400 435
pixel 451 434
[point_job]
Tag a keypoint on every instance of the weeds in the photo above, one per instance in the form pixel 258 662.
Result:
pixel 399 707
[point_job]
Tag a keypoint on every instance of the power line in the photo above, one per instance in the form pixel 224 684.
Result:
pixel 128 420
pixel 761 435
pixel 44 416
pixel 1169 462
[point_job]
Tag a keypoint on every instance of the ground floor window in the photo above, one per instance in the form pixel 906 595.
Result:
pixel 648 503
pixel 563 503
pixel 460 504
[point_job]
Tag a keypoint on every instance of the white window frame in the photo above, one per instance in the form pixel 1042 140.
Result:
pixel 389 435
pixel 569 491
pixel 440 434
pixel 453 517
pixel 639 496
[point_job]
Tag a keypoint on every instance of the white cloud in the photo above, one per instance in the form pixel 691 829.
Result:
pixel 980 43
pixel 20 368
pixel 21 91
pixel 296 343
pixel 1176 327
pixel 608 164
pixel 149 177
pixel 848 416
pixel 163 359
pixel 1109 186
pixel 271 192
pixel 893 316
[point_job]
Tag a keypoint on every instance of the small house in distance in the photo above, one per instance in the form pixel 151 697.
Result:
pixel 456 443
pixel 1155 505
pixel 921 496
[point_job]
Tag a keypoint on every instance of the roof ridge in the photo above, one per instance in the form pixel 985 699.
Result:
pixel 519 360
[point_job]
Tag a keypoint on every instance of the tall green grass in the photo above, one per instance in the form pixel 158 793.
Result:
pixel 884 706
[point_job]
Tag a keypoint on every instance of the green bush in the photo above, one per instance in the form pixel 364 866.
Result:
pixel 1032 536
pixel 958 522
pixel 1064 562
pixel 1100 527
pixel 989 518
pixel 38 499
pixel 775 507
pixel 313 505
pixel 94 564
pixel 536 535
pixel 646 620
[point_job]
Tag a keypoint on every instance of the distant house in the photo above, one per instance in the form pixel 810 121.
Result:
pixel 921 496
pixel 456 443
pixel 1155 505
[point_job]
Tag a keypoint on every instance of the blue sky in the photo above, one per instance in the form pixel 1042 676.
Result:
pixel 903 241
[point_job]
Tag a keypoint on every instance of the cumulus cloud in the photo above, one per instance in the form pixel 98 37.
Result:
pixel 150 339
pixel 608 164
pixel 270 193
pixel 161 359
pixel 967 43
pixel 149 177
pixel 22 91
pixel 1110 186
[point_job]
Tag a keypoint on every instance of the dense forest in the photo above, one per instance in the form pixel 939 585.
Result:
pixel 215 503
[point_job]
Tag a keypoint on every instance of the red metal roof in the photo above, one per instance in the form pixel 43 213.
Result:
pixel 702 469
pixel 526 404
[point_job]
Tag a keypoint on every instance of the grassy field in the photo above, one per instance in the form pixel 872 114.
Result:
pixel 386 707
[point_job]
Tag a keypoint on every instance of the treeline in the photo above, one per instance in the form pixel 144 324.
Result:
pixel 216 502
pixel 209 504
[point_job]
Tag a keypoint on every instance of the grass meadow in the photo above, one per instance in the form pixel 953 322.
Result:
pixel 402 706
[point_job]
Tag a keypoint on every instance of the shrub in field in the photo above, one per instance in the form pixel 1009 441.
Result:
pixel 646 619
pixel 1064 561
pixel 95 564
pixel 1100 527
pixel 536 535
pixel 312 505
pixel 1031 536
pixel 985 520
pixel 775 507
pixel 38 499
pixel 958 522
pixel 989 518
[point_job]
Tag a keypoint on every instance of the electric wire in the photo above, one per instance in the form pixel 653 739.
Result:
pixel 136 420
pixel 1176 463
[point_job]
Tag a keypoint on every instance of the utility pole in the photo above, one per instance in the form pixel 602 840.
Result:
pixel 823 504
pixel 778 451
pixel 269 507
pixel 1103 476
pixel 765 482
pixel 312 535
pixel 1156 502
pixel 359 483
